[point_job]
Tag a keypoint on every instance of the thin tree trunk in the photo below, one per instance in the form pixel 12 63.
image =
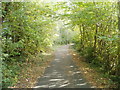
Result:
pixel 96 30
pixel 95 38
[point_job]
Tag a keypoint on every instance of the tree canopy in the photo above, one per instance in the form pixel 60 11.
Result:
pixel 29 28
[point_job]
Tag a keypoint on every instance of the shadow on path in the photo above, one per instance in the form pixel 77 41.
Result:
pixel 62 72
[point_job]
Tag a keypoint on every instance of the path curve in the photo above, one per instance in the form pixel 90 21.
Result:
pixel 62 72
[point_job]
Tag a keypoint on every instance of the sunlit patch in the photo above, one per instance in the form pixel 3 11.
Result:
pixel 78 72
pixel 56 34
pixel 72 44
pixel 41 86
pixel 75 72
pixel 52 80
pixel 93 87
pixel 82 84
pixel 70 73
pixel 48 66
pixel 74 54
pixel 65 82
pixel 71 66
pixel 64 85
pixel 52 86
pixel 80 79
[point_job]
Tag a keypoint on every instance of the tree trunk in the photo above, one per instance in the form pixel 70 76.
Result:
pixel 95 37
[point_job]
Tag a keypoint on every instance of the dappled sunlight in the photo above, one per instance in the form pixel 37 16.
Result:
pixel 74 54
pixel 53 80
pixel 33 31
pixel 71 66
pixel 93 87
pixel 64 85
pixel 81 84
pixel 62 74
pixel 72 44
pixel 65 82
pixel 48 66
pixel 57 60
pixel 41 86
pixel 73 73
pixel 80 79
pixel 52 86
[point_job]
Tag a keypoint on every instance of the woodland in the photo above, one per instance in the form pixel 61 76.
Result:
pixel 31 28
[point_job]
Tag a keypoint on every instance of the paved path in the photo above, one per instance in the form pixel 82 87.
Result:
pixel 62 72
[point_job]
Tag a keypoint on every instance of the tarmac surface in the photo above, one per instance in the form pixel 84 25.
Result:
pixel 62 72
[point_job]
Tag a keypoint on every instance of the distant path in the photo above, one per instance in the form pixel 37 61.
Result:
pixel 62 72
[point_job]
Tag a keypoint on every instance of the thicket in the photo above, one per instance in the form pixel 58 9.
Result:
pixel 27 29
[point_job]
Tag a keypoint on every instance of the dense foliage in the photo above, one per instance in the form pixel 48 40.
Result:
pixel 30 28
pixel 98 34
pixel 27 30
